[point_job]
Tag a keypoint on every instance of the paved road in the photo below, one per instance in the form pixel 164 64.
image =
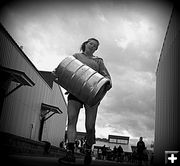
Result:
pixel 51 161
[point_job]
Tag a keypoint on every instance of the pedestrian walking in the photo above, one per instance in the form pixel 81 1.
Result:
pixel 104 152
pixel 140 150
pixel 114 153
pixel 119 153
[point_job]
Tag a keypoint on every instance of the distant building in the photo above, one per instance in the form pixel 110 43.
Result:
pixel 114 140
pixel 32 105
pixel 167 123
pixel 118 139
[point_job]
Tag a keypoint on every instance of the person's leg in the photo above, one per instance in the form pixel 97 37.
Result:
pixel 91 113
pixel 140 159
pixel 73 109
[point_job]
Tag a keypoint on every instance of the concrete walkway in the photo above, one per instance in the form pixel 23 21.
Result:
pixel 21 160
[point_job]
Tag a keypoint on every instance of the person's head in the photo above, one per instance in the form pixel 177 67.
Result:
pixel 141 138
pixel 91 45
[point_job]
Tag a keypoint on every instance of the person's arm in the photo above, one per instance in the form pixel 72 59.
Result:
pixel 144 145
pixel 137 145
pixel 103 70
pixel 75 55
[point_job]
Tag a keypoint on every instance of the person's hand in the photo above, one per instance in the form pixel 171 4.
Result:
pixel 66 93
pixel 108 86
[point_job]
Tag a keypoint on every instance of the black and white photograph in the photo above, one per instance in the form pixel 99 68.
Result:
pixel 89 82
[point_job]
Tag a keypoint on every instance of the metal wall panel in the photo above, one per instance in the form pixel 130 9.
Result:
pixel 21 109
pixel 53 125
pixel 167 94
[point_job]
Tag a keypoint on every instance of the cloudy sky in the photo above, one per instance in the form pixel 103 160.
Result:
pixel 131 35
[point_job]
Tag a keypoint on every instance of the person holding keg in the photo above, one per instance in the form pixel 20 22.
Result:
pixel 86 56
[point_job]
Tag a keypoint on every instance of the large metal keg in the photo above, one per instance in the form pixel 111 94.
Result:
pixel 81 81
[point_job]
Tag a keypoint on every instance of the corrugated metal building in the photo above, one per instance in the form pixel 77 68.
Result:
pixel 32 105
pixel 167 121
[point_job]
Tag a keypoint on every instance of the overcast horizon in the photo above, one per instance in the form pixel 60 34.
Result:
pixel 131 35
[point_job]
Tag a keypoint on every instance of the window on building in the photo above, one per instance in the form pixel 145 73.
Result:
pixel 112 140
pixel 122 141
